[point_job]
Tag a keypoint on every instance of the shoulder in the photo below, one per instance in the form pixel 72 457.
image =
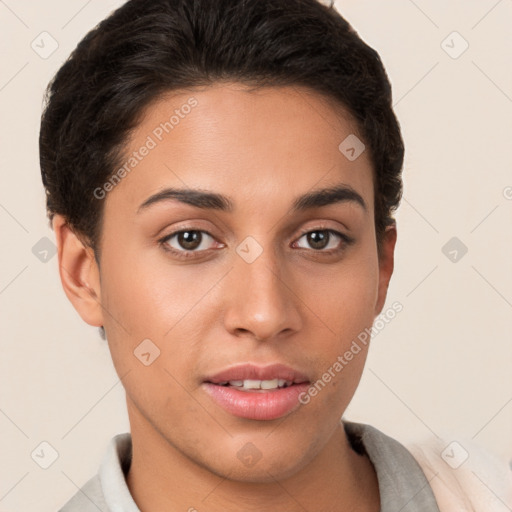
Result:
pixel 107 490
pixel 402 482
pixel 87 499
pixel 463 475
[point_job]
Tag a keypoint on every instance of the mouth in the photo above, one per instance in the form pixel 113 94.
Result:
pixel 259 393
pixel 253 376
pixel 255 385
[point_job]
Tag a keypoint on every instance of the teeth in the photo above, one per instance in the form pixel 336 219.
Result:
pixel 259 384
pixel 268 384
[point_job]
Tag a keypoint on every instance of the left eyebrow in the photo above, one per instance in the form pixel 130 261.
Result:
pixel 327 196
pixel 211 200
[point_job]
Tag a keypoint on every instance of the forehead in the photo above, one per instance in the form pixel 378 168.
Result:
pixel 257 146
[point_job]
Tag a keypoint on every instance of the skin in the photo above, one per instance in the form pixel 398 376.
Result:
pixel 294 304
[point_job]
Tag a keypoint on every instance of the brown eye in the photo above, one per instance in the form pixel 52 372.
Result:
pixel 318 239
pixel 189 240
pixel 321 239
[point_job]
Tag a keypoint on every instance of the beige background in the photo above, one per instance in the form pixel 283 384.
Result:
pixel 442 366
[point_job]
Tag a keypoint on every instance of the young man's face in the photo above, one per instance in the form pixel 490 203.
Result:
pixel 244 285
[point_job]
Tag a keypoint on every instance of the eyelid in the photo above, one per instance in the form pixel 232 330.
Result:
pixel 324 227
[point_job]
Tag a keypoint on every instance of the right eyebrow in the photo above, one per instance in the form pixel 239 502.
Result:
pixel 193 197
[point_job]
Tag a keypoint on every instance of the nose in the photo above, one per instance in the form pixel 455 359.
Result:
pixel 260 299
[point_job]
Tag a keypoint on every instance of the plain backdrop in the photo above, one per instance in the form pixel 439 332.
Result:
pixel 441 367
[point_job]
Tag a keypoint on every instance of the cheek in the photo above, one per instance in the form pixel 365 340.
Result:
pixel 149 297
pixel 344 301
pixel 169 305
pixel 345 295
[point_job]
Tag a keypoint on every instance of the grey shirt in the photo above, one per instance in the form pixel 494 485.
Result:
pixel 403 486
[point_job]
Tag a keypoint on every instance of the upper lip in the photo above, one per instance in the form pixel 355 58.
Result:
pixel 255 372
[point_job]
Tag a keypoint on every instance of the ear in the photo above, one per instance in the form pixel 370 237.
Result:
pixel 386 264
pixel 79 273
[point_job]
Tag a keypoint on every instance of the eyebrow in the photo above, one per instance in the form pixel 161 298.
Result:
pixel 214 201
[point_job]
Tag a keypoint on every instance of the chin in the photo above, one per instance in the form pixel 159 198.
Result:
pixel 259 474
pixel 252 466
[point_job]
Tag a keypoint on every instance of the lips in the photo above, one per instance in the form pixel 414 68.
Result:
pixel 250 391
pixel 250 371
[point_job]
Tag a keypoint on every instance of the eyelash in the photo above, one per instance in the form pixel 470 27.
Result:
pixel 185 254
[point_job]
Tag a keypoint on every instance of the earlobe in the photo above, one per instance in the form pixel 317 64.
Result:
pixel 78 272
pixel 386 265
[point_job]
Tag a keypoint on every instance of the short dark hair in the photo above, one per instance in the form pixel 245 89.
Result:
pixel 147 48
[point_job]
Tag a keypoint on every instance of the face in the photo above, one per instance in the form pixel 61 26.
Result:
pixel 193 286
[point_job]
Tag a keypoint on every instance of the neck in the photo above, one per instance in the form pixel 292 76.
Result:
pixel 161 477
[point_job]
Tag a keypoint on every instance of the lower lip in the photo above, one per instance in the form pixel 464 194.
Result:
pixel 257 405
